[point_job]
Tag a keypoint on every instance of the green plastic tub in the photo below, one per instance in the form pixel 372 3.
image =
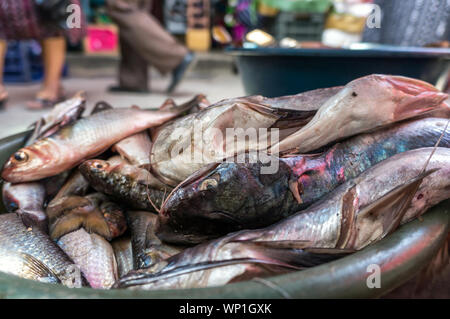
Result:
pixel 400 256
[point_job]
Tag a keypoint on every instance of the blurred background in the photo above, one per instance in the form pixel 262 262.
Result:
pixel 141 51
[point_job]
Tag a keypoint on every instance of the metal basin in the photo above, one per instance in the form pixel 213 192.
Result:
pixel 400 256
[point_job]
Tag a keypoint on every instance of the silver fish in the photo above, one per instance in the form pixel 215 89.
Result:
pixel 94 255
pixel 31 254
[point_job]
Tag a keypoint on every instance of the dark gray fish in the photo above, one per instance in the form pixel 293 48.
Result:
pixel 128 184
pixel 233 196
pixel 123 252
pixel 148 249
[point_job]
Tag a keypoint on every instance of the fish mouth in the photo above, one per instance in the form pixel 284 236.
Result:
pixel 7 170
pixel 420 97
pixel 408 85
pixel 193 178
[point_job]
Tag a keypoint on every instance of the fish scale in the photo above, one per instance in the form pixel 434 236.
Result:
pixel 15 237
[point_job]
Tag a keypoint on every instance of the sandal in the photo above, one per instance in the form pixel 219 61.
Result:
pixel 44 103
pixel 39 104
pixel 3 99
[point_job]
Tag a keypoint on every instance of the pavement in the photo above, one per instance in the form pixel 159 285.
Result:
pixel 213 76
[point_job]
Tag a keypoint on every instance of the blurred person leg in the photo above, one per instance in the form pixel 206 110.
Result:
pixel 53 55
pixel 133 70
pixel 146 36
pixel 3 93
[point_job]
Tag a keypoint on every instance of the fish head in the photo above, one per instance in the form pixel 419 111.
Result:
pixel 10 199
pixel 31 163
pixel 27 201
pixel 97 169
pixel 230 197
pixel 114 218
pixel 401 97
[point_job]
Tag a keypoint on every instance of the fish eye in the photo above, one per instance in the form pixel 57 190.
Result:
pixel 100 165
pixel 21 156
pixel 208 184
pixel 12 206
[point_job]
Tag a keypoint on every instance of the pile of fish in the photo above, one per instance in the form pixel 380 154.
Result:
pixel 165 198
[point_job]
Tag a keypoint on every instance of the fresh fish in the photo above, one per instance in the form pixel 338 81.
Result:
pixel 187 144
pixel 94 212
pixel 75 185
pixel 82 226
pixel 235 196
pixel 61 115
pixel 27 200
pixel 305 101
pixel 74 143
pixel 94 255
pixel 134 186
pixel 196 104
pixel 358 213
pixel 362 105
pixel 135 149
pixel 30 253
pixel 148 249
pixel 123 252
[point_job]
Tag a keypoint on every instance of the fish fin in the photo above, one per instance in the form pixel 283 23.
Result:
pixel 167 105
pixel 101 106
pixel 64 225
pixel 38 268
pixel 185 108
pixel 96 223
pixel 395 203
pixel 291 259
pixel 293 187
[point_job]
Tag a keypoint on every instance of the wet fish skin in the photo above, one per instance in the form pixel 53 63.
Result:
pixel 236 196
pixel 123 252
pixel 135 149
pixel 94 255
pixel 364 104
pixel 358 213
pixel 27 200
pixel 227 199
pixel 132 185
pixel 305 101
pixel 74 143
pixel 62 114
pixel 75 185
pixel 321 223
pixel 17 241
pixel 148 249
pixel 176 152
